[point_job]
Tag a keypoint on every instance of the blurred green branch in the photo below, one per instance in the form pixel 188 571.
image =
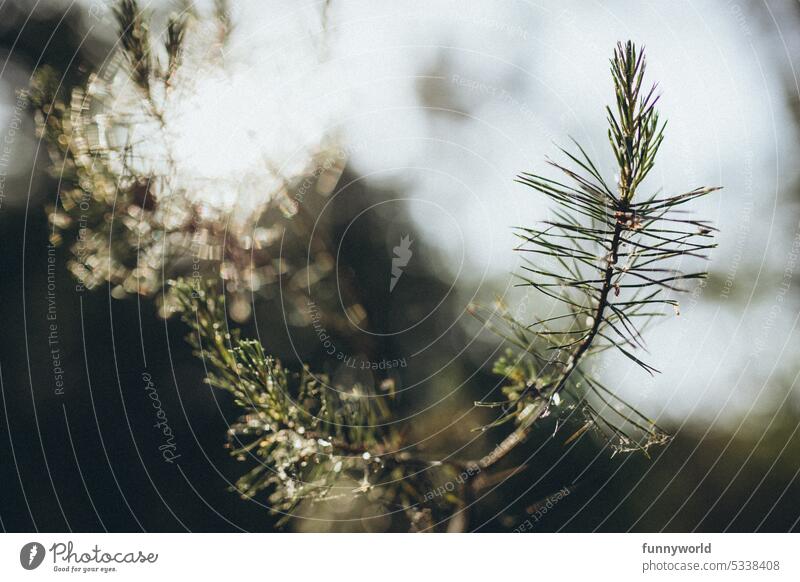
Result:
pixel 312 441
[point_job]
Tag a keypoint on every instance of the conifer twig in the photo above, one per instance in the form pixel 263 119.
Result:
pixel 607 245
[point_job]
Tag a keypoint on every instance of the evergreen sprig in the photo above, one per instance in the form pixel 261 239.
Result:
pixel 311 441
pixel 134 36
pixel 608 258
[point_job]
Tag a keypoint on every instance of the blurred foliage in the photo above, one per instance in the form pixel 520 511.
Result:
pixel 312 441
pixel 129 218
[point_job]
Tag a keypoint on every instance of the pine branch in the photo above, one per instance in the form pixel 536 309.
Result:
pixel 311 441
pixel 135 38
pixel 601 260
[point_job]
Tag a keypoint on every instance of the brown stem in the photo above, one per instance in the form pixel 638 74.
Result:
pixel 512 440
